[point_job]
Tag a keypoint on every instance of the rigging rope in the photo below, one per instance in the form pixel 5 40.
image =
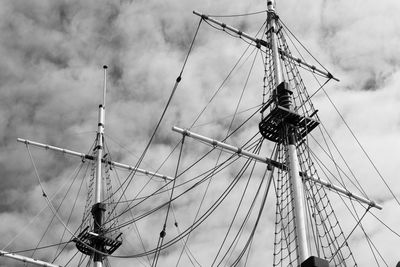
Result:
pixel 220 167
pixel 37 248
pixel 58 208
pixel 163 231
pixel 362 148
pixel 70 260
pixel 236 238
pixel 360 188
pixel 261 209
pixel 197 223
pixel 247 217
pixel 134 224
pixel 238 15
pixel 346 124
pixel 370 243
pixel 227 134
pixel 165 108
pixel 159 190
pixel 229 128
pixel 285 225
pixel 70 215
pixel 226 117
pixel 229 74
pixel 188 252
pixel 305 48
pixel 51 207
pixel 345 241
pixel 192 165
pixel 321 86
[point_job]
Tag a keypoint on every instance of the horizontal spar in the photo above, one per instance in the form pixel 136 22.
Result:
pixel 26 259
pixel 242 152
pixel 260 42
pixel 343 191
pixel 223 145
pixel 90 157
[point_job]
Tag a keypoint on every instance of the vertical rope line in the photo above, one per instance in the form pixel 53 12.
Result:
pixel 261 209
pixel 236 239
pixel 174 181
pixel 163 232
pixel 72 209
pixel 231 123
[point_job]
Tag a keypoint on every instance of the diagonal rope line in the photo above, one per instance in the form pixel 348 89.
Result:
pixel 53 210
pixel 37 248
pixel 305 48
pixel 354 228
pixel 362 148
pixel 239 233
pixel 229 74
pixel 163 113
pixel 238 15
pixel 313 94
pixel 230 126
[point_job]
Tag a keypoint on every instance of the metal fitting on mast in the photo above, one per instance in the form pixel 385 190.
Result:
pixel 271 5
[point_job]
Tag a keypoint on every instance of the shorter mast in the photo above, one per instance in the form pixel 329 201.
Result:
pixel 99 208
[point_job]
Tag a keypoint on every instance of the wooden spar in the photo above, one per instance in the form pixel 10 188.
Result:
pixel 242 152
pixel 260 42
pixel 26 259
pixel 84 156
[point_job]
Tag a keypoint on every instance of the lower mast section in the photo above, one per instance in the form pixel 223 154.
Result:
pixel 298 195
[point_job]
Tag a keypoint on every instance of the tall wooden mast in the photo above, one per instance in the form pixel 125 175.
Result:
pixel 284 92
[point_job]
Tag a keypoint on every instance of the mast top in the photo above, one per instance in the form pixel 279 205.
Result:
pixel 105 86
pixel 271 4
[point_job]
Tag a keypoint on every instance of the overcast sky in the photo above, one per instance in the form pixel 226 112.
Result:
pixel 51 81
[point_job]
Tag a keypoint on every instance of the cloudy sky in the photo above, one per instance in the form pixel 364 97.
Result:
pixel 51 81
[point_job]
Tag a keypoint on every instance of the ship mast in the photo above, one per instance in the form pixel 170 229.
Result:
pixel 284 95
pixel 94 239
pixel 99 208
pixel 284 123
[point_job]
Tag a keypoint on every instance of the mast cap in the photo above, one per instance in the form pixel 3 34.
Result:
pixel 271 5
